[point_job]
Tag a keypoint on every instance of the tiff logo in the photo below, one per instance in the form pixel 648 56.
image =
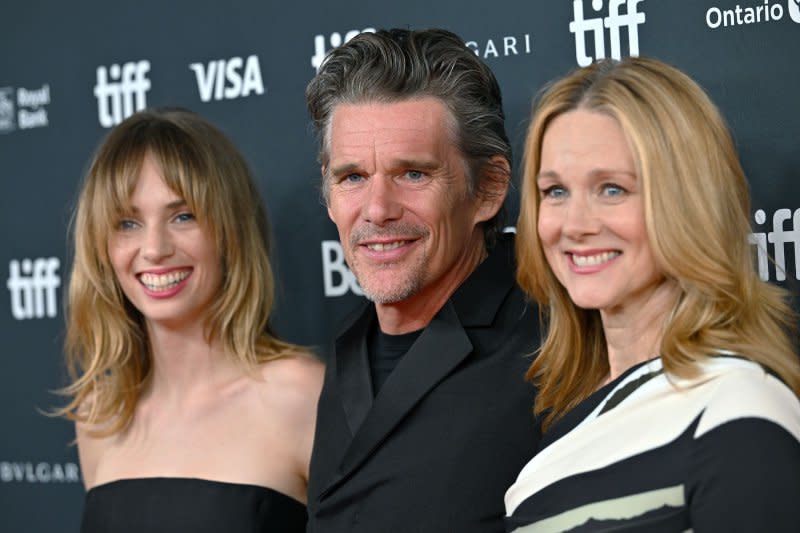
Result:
pixel 228 79
pixel 33 284
pixel 335 40
pixel 779 237
pixel 121 91
pixel 596 26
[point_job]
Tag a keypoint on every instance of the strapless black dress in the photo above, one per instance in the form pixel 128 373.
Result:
pixel 188 505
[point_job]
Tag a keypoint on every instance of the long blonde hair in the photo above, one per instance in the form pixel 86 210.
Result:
pixel 107 349
pixel 696 205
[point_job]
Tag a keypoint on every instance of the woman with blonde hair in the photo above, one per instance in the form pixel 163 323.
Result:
pixel 668 384
pixel 190 414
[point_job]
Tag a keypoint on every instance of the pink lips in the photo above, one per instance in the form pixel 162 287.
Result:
pixel 591 261
pixel 164 293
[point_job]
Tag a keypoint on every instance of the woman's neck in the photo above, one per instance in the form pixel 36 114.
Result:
pixel 633 334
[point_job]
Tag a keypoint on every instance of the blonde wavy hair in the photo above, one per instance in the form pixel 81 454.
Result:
pixel 696 205
pixel 107 350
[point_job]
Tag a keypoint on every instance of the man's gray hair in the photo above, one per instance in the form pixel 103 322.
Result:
pixel 396 65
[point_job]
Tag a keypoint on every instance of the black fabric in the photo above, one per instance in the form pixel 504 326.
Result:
pixel 451 427
pixel 188 505
pixel 385 351
pixel 627 390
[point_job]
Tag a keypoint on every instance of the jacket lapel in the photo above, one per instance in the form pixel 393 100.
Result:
pixel 422 368
pixel 352 370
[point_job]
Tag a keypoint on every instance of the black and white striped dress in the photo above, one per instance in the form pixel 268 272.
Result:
pixel 652 452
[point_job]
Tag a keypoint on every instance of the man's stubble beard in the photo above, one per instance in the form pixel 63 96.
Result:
pixel 413 278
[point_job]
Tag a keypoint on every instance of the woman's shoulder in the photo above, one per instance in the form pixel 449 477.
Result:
pixel 744 389
pixel 92 439
pixel 294 380
pixel 296 368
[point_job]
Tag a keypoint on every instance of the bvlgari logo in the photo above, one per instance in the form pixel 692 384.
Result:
pixel 39 472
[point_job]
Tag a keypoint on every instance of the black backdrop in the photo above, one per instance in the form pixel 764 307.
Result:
pixel 69 70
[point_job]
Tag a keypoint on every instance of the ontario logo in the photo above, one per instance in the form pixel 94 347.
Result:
pixel 742 16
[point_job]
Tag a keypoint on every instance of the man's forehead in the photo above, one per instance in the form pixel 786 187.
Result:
pixel 422 124
pixel 421 112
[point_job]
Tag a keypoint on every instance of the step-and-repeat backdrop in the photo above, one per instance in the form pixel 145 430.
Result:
pixel 69 71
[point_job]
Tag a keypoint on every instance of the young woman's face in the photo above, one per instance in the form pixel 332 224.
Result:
pixel 167 265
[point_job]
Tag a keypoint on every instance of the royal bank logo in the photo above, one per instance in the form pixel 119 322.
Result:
pixel 8 115
pixel 779 237
pixel 121 90
pixel 41 472
pixel 754 14
pixel 595 26
pixel 23 108
pixel 336 277
pixel 227 79
pixel 33 285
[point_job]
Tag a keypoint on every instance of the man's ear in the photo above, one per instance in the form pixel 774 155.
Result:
pixel 494 183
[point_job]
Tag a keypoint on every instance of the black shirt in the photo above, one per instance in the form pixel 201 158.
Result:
pixel 385 351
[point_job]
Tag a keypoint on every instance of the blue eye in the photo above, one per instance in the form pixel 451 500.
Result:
pixel 415 175
pixel 127 224
pixel 353 178
pixel 613 190
pixel 555 192
pixel 184 217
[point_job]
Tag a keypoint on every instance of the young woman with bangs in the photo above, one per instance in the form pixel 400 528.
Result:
pixel 191 415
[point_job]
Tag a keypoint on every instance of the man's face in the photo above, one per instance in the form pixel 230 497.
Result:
pixel 397 192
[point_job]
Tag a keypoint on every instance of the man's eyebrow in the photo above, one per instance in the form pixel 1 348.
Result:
pixel 418 164
pixel 345 169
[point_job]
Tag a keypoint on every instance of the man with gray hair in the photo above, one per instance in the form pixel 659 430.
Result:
pixel 425 418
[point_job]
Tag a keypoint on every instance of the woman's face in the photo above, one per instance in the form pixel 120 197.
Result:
pixel 166 263
pixel 591 214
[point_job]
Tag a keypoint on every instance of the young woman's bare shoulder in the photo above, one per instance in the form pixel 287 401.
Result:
pixel 297 370
pixel 295 382
pixel 92 443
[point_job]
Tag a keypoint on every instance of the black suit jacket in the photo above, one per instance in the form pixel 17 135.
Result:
pixel 451 427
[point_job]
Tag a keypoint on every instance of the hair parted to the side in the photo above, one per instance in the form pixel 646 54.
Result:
pixel 398 64
pixel 696 204
pixel 107 349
